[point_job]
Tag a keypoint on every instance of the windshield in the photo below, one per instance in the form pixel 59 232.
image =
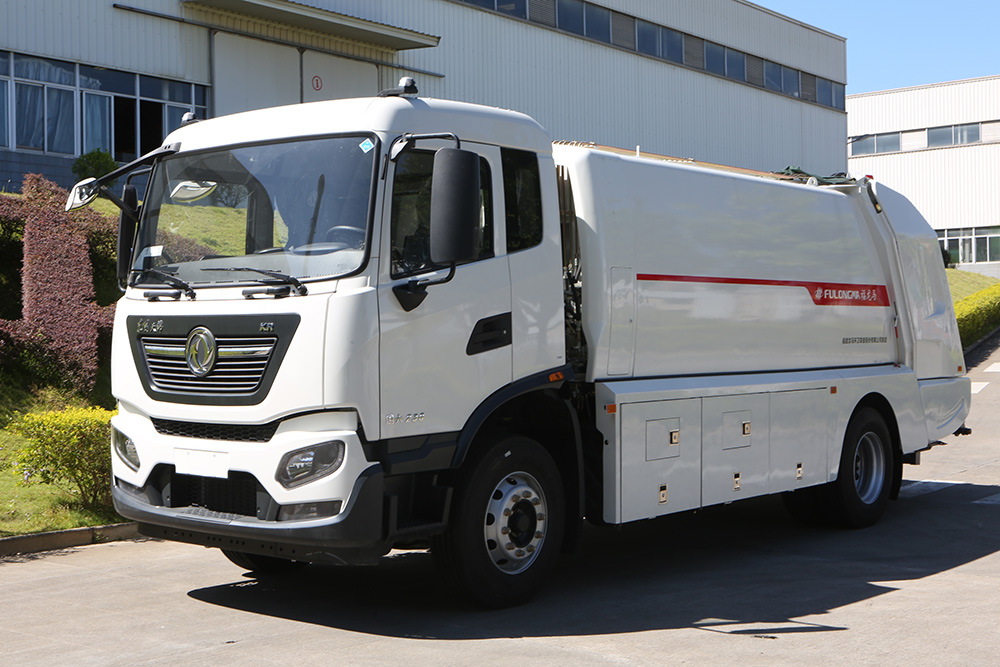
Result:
pixel 298 209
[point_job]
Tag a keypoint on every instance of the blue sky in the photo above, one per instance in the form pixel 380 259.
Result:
pixel 896 43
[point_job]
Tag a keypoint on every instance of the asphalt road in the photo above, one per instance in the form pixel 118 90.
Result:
pixel 741 584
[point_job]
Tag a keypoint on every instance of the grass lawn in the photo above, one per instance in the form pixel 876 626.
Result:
pixel 966 283
pixel 39 507
pixel 42 507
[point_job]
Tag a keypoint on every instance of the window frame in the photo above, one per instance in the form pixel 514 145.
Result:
pixel 511 159
pixel 489 208
pixel 196 101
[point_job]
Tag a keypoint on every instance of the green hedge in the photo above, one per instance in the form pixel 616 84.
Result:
pixel 67 448
pixel 978 314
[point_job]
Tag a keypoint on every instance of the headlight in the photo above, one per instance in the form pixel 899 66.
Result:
pixel 125 448
pixel 310 463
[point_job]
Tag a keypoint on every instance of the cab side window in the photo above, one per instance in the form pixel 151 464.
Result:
pixel 522 194
pixel 409 222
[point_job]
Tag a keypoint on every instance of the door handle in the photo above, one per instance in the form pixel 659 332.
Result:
pixel 490 333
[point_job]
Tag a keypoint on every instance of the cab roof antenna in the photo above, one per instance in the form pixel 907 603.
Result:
pixel 407 86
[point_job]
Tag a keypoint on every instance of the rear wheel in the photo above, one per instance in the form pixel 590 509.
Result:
pixel 860 494
pixel 507 524
pixel 262 564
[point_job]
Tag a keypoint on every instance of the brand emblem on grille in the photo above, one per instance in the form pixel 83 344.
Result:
pixel 200 351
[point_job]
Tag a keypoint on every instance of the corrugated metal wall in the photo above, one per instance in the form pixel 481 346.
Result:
pixel 95 33
pixel 954 186
pixel 587 91
pixel 951 103
pixel 577 88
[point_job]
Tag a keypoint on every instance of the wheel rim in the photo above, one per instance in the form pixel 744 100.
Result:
pixel 869 468
pixel 514 525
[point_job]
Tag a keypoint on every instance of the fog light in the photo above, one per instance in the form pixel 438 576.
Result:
pixel 125 448
pixel 309 510
pixel 310 463
pixel 130 489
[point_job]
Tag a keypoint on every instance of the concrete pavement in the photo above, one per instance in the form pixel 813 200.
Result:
pixel 739 584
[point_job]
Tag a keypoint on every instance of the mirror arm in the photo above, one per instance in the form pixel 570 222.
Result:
pixel 413 293
pixel 127 210
pixel 404 142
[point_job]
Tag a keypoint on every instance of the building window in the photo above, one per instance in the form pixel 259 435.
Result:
pixel 63 108
pixel 967 134
pixel 4 93
pixel 736 65
pixel 3 114
pixel 888 142
pixel 569 16
pixel 939 136
pixel 591 20
pixel 597 23
pixel 518 8
pixel 772 76
pixel 43 109
pixel 953 135
pixel 112 114
pixel 838 96
pixel 672 45
pixel 789 81
pixel 824 92
pixel 715 58
pixel 647 38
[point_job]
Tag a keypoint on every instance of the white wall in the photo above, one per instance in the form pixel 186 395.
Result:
pixel 953 187
pixel 578 89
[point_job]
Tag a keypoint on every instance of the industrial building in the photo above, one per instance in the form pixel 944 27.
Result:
pixel 716 80
pixel 940 146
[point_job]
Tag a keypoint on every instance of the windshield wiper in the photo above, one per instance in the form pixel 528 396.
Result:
pixel 300 289
pixel 169 279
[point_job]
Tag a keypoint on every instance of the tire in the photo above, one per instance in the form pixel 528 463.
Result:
pixel 262 564
pixel 859 496
pixel 506 526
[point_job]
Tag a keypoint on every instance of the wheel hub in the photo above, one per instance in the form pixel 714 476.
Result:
pixel 514 523
pixel 869 468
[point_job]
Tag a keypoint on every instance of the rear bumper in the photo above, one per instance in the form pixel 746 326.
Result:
pixel 946 403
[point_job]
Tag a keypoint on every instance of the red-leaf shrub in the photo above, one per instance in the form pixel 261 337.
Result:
pixel 59 312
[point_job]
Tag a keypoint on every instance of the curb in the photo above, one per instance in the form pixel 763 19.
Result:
pixel 64 539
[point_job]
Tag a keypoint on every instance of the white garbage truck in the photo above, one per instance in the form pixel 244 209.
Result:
pixel 358 325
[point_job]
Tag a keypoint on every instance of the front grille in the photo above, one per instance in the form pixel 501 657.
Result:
pixel 239 367
pixel 236 495
pixel 231 432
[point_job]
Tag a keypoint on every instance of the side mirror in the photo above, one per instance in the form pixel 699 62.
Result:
pixel 82 194
pixel 454 206
pixel 127 226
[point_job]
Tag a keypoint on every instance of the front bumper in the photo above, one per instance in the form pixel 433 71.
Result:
pixel 353 536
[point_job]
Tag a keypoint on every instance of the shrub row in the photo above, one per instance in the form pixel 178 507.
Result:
pixel 60 312
pixel 67 448
pixel 978 314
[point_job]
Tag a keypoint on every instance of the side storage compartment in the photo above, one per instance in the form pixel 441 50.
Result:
pixel 735 436
pixel 679 444
pixel 660 458
pixel 800 432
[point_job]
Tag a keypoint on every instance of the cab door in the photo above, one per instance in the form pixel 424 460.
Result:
pixel 441 359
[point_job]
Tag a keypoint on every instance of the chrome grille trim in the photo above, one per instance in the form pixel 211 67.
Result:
pixel 239 367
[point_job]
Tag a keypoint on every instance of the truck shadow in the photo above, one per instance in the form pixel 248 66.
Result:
pixel 740 569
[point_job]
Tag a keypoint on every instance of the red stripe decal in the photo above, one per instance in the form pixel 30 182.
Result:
pixel 822 294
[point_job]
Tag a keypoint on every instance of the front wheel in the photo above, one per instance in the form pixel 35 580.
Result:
pixel 507 524
pixel 860 494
